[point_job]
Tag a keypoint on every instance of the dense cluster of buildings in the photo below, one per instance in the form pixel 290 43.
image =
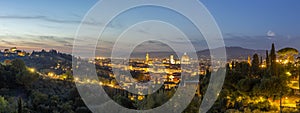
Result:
pixel 13 52
pixel 168 70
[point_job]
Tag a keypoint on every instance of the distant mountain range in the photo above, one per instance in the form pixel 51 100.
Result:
pixel 235 52
pixel 232 53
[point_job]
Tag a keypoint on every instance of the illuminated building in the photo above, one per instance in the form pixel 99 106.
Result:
pixel 177 61
pixel 21 53
pixel 172 61
pixel 13 49
pixel 249 60
pixel 185 59
pixel 147 58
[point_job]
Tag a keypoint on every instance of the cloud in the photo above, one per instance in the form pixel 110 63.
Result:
pixel 45 18
pixel 4 37
pixel 32 44
pixel 152 42
pixel 62 40
pixel 7 42
pixel 271 33
pixel 21 17
pixel 46 37
pixel 68 45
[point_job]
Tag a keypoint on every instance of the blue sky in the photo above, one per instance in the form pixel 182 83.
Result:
pixel 37 24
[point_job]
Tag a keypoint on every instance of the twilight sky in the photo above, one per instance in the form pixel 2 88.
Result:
pixel 37 24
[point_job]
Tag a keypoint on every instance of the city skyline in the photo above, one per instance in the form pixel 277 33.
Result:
pixel 36 25
pixel 160 56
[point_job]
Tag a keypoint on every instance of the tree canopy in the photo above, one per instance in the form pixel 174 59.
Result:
pixel 287 53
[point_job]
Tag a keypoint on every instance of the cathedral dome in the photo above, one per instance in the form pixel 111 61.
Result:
pixel 185 59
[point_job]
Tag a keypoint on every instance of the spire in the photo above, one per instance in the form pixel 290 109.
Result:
pixel 147 58
pixel 249 60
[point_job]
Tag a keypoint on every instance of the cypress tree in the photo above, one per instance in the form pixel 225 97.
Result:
pixel 20 105
pixel 273 60
pixel 267 59
pixel 255 65
pixel 261 60
pixel 233 64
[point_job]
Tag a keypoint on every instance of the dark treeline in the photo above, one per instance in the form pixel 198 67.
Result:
pixel 23 91
pixel 248 87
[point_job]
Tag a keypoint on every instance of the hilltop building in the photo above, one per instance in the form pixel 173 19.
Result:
pixel 13 52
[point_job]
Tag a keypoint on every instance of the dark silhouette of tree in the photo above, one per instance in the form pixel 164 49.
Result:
pixel 287 53
pixel 267 59
pixel 243 68
pixel 273 60
pixel 26 78
pixel 19 65
pixel 246 85
pixel 233 64
pixel 3 104
pixel 261 60
pixel 126 102
pixel 20 105
pixel 255 65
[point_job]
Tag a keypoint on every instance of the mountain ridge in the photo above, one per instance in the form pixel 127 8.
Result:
pixel 232 52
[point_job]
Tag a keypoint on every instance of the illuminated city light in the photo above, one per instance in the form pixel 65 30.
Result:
pixel 88 80
pixel 263 66
pixel 51 74
pixel 288 73
pixel 76 79
pixel 32 70
pixel 140 97
pixel 285 61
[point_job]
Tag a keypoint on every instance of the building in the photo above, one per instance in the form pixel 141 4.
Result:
pixel 172 60
pixel 185 59
pixel 21 53
pixel 13 49
pixel 14 52
pixel 147 58
pixel 6 50
pixel 249 60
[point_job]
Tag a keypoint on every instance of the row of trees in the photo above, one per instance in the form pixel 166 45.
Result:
pixel 16 75
pixel 24 91
pixel 248 87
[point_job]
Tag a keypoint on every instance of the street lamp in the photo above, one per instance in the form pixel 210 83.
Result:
pixel 51 74
pixel 288 73
pixel 32 70
pixel 76 78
